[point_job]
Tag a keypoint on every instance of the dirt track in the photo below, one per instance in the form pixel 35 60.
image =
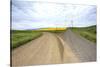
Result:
pixel 46 49
pixel 51 48
pixel 83 49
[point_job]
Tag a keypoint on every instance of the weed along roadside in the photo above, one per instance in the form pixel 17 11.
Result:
pixel 87 32
pixel 20 37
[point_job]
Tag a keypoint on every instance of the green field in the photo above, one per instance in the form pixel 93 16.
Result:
pixel 20 37
pixel 87 32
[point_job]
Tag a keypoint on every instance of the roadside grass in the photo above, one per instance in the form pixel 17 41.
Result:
pixel 20 37
pixel 87 32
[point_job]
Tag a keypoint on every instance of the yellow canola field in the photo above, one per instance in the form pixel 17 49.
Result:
pixel 51 29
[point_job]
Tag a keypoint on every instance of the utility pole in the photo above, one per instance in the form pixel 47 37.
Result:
pixel 65 24
pixel 72 23
pixel 73 15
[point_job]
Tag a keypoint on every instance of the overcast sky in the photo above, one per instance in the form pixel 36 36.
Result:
pixel 33 14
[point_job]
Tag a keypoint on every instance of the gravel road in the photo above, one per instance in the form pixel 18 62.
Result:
pixel 46 49
pixel 84 49
pixel 50 48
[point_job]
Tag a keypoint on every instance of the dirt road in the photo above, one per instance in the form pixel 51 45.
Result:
pixel 46 49
pixel 84 49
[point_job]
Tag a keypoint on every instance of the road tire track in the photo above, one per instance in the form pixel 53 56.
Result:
pixel 46 49
pixel 84 49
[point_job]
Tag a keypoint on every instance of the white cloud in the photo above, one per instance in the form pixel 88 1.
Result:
pixel 35 15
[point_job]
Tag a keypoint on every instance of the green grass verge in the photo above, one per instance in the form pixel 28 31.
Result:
pixel 87 32
pixel 19 37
